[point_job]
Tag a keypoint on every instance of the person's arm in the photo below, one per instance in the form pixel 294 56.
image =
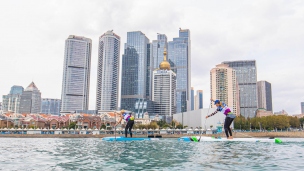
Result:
pixel 211 114
pixel 118 121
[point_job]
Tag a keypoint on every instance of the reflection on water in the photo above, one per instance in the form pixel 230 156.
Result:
pixel 166 154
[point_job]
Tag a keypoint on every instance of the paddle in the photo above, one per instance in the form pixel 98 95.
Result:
pixel 115 126
pixel 206 118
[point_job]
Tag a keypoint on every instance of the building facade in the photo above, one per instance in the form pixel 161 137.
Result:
pixel 142 107
pixel 50 106
pixel 179 56
pixel 134 84
pixel 164 90
pixel 302 107
pixel 264 95
pixel 198 100
pixel 76 74
pixel 107 97
pixel 158 47
pixel 224 86
pixel 11 102
pixel 246 74
pixel 30 101
pixel 192 99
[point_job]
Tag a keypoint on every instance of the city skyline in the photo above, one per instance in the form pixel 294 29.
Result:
pixel 274 34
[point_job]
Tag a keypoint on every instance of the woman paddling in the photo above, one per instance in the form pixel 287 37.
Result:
pixel 129 119
pixel 222 107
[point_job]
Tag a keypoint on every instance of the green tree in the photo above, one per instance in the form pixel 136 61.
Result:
pixel 179 126
pixel 294 122
pixel 103 126
pixel 161 123
pixel 302 122
pixel 72 125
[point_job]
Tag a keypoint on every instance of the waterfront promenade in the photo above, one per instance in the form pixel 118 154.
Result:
pixel 296 134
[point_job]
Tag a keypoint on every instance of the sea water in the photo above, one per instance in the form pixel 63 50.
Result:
pixel 45 154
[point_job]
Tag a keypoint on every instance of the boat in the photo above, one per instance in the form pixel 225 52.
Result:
pixel 206 139
pixel 127 139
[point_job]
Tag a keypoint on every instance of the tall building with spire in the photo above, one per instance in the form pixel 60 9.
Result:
pixel 108 72
pixel 135 61
pixel 11 102
pixel 179 55
pixel 158 50
pixel 164 90
pixel 224 86
pixel 76 74
pixel 30 101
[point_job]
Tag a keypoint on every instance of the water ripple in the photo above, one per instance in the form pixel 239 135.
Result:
pixel 166 154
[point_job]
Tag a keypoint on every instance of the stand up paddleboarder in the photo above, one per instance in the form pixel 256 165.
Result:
pixel 222 107
pixel 129 119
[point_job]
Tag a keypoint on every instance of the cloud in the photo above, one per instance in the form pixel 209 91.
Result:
pixel 33 35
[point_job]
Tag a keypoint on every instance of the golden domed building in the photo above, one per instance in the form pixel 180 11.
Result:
pixel 164 90
pixel 164 65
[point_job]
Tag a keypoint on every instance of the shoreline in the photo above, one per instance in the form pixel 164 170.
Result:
pixel 235 135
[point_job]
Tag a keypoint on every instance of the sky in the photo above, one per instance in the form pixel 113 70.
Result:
pixel 33 34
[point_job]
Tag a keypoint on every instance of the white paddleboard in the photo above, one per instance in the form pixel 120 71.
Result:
pixel 205 139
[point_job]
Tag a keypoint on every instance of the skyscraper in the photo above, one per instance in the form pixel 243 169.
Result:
pixel 246 74
pixel 50 106
pixel 76 74
pixel 192 98
pixel 30 101
pixel 198 100
pixel 179 55
pixel 302 107
pixel 134 70
pixel 223 85
pixel 11 102
pixel 264 95
pixel 108 72
pixel 163 88
pixel 158 50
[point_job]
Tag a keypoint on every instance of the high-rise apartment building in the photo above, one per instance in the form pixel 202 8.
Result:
pixel 264 95
pixel 107 97
pixel 179 55
pixel 76 74
pixel 223 85
pixel 246 74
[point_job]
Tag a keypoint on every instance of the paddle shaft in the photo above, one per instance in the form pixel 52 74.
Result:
pixel 206 118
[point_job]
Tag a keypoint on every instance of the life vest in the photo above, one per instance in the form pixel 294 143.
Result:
pixel 127 117
pixel 224 109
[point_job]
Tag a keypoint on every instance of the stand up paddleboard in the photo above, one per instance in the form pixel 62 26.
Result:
pixel 127 139
pixel 205 139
